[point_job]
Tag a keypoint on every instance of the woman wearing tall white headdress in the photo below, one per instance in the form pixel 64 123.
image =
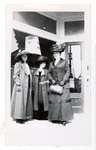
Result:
pixel 21 102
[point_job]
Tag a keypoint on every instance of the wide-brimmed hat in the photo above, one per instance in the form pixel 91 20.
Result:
pixel 42 59
pixel 23 52
pixel 57 48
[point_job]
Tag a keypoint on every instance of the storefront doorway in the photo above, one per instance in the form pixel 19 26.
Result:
pixel 75 65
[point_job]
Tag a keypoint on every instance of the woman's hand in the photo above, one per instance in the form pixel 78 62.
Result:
pixel 53 82
pixel 18 83
pixel 62 83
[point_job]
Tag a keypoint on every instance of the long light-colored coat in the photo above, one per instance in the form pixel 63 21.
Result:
pixel 60 108
pixel 21 102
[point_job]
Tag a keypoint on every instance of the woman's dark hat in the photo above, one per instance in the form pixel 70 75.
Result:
pixel 42 59
pixel 57 48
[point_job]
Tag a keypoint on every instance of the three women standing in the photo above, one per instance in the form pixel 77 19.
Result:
pixel 56 105
pixel 21 102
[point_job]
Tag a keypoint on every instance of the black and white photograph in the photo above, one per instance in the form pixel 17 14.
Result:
pixel 46 75
pixel 48 92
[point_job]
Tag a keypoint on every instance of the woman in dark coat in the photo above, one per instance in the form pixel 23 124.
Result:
pixel 21 102
pixel 60 109
pixel 41 84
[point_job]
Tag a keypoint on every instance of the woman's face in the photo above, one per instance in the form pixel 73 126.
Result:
pixel 24 57
pixel 56 55
pixel 42 65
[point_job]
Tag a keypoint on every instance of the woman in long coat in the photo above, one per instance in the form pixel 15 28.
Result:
pixel 21 102
pixel 41 84
pixel 60 109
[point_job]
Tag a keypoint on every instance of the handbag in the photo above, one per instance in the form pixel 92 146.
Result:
pixel 56 89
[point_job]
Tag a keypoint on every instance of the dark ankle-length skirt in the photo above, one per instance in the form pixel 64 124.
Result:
pixel 60 108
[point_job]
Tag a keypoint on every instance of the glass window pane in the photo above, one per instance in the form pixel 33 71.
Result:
pixel 74 27
pixel 37 20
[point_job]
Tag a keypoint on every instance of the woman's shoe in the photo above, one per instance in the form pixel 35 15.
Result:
pixel 21 121
pixel 65 123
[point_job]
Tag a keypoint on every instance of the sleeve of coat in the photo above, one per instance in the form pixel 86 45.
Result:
pixel 16 75
pixel 31 78
pixel 50 73
pixel 47 80
pixel 66 76
pixel 33 82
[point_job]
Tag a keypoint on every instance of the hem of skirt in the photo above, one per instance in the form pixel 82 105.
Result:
pixel 36 109
pixel 24 118
pixel 66 119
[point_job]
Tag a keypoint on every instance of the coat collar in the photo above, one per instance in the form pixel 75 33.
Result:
pixel 37 72
pixel 59 62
